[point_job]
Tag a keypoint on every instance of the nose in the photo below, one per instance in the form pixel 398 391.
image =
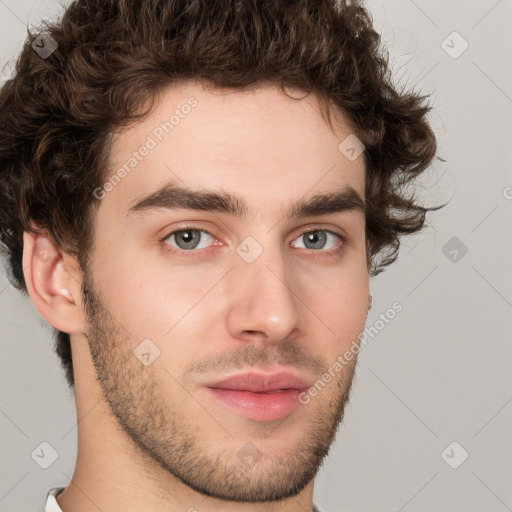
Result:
pixel 263 305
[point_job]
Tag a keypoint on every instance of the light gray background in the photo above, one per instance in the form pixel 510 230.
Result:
pixel 437 373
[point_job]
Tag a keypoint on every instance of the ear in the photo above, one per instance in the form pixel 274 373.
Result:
pixel 53 283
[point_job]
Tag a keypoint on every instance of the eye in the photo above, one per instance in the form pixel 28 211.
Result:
pixel 317 239
pixel 189 239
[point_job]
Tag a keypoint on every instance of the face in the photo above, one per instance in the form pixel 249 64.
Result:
pixel 212 260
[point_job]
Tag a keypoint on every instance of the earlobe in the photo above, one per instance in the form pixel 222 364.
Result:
pixel 50 284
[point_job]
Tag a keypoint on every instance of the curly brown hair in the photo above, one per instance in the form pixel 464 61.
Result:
pixel 112 59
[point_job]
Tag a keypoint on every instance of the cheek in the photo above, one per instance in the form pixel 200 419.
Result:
pixel 338 304
pixel 141 304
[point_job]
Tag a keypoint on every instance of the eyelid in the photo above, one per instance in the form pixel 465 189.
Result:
pixel 322 227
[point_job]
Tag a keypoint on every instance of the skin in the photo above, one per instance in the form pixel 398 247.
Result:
pixel 151 437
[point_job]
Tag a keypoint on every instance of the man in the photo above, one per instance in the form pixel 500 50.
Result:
pixel 194 195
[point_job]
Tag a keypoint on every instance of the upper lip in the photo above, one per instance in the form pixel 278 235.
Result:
pixel 261 382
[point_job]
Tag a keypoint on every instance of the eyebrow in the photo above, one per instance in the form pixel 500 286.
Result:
pixel 172 196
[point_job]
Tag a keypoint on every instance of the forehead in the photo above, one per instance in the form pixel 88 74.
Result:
pixel 257 143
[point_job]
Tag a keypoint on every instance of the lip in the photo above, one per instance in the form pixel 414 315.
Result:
pixel 259 396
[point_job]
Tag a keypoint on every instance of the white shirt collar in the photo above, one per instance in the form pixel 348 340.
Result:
pixel 51 502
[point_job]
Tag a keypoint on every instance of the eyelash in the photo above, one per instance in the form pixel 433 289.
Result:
pixel 194 253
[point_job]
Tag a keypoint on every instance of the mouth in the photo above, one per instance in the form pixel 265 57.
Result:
pixel 260 397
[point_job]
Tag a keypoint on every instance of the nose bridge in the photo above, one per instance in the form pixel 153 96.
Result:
pixel 264 302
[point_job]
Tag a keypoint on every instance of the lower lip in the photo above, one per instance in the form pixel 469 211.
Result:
pixel 259 406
